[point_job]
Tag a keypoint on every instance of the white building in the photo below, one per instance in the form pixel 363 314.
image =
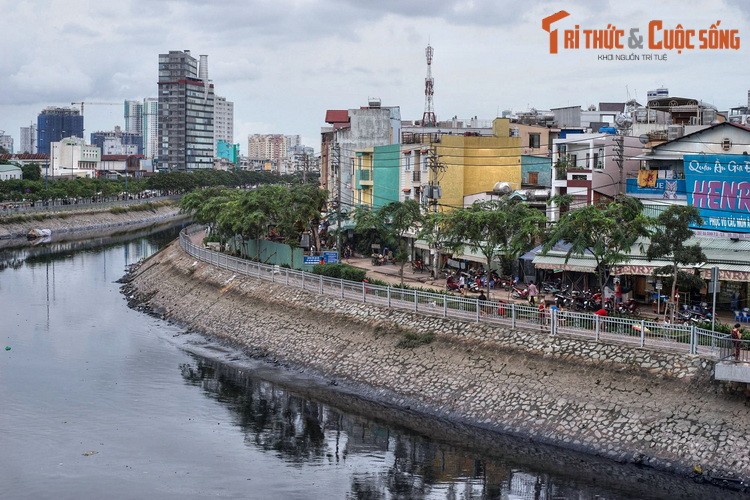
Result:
pixel 223 121
pixel 8 172
pixel 28 139
pixel 6 142
pixel 133 114
pixel 72 157
pixel 150 126
pixel 584 166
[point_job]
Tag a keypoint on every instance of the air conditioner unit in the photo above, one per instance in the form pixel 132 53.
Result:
pixel 675 132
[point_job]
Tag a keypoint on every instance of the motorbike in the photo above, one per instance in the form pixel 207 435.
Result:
pixel 520 293
pixel 451 283
pixel 699 311
pixel 629 308
pixel 552 288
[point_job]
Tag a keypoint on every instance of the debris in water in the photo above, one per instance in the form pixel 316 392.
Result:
pixel 89 453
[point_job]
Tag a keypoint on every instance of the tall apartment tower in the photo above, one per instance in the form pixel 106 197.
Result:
pixel 6 142
pixel 28 139
pixel 133 113
pixel 150 126
pixel 223 121
pixel 186 112
pixel 54 124
pixel 271 147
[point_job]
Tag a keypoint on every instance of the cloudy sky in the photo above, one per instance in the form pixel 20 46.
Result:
pixel 284 62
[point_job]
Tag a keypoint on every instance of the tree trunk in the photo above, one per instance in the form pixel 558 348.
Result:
pixel 674 291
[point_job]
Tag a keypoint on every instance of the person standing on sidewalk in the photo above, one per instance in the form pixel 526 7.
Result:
pixel 736 340
pixel 533 292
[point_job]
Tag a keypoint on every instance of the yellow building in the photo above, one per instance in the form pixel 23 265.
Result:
pixel 363 178
pixel 473 164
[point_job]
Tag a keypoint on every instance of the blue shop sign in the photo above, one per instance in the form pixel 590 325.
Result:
pixel 719 187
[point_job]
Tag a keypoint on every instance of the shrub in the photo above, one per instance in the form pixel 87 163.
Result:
pixel 341 271
pixel 412 340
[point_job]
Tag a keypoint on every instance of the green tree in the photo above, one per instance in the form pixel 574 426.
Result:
pixel 607 232
pixel 503 228
pixel 31 172
pixel 301 213
pixel 391 223
pixel 434 231
pixel 668 241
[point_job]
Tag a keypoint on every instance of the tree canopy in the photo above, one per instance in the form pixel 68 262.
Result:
pixel 607 232
pixel 276 212
pixel 502 227
pixel 391 223
pixel 668 241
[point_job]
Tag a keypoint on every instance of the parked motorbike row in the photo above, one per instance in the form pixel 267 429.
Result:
pixel 574 300
pixel 696 313
pixel 475 281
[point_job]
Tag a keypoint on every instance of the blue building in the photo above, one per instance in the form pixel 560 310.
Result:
pixel 536 171
pixel 227 151
pixel 54 124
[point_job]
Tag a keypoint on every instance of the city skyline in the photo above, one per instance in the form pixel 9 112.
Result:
pixel 284 64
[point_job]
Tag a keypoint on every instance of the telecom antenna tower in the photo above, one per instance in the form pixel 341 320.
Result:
pixel 428 117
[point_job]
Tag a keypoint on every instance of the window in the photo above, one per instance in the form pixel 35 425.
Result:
pixel 407 162
pixel 533 177
pixel 535 140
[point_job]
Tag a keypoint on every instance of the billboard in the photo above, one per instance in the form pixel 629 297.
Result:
pixel 719 187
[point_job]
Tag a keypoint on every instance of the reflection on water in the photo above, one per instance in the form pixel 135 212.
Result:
pixel 13 253
pixel 401 464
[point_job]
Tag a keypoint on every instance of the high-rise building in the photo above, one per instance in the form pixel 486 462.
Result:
pixel 292 141
pixel 223 121
pixel 150 126
pixel 117 142
pixel 186 112
pixel 54 124
pixel 6 142
pixel 134 117
pixel 269 147
pixel 28 139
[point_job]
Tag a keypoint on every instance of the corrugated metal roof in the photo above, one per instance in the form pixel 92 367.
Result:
pixel 337 116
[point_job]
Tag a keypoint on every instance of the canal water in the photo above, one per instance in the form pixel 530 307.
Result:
pixel 101 401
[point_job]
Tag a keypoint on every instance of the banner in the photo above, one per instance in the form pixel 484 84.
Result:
pixel 719 187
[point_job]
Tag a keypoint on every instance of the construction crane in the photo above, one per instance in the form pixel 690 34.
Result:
pixel 95 104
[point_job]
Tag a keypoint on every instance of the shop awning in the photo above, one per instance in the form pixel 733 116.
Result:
pixel 557 262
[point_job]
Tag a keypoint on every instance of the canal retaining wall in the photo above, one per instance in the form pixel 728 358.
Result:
pixel 18 225
pixel 628 404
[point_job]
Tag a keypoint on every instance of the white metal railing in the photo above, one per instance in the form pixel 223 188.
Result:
pixel 638 332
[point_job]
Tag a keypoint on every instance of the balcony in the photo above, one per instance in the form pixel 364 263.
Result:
pixel 364 177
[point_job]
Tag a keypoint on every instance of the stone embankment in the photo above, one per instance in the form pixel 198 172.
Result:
pixel 629 404
pixel 85 220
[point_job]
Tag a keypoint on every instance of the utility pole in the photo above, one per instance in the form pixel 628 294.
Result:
pixel 619 150
pixel 337 170
pixel 433 195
